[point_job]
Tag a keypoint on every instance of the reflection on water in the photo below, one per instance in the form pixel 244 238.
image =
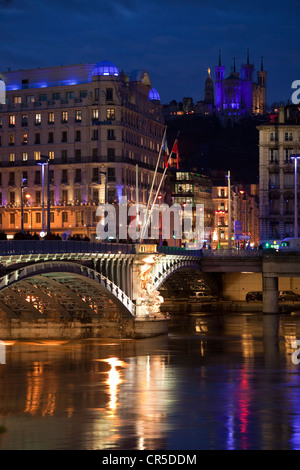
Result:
pixel 215 382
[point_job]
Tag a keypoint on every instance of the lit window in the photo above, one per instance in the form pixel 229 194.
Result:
pixel 65 116
pixel 24 156
pixel 95 114
pixel 38 119
pixel 37 155
pixel 30 99
pixel 12 157
pixel 24 139
pixel 12 121
pixel 110 114
pixel 50 118
pixel 17 99
pixel 51 155
pixel 78 115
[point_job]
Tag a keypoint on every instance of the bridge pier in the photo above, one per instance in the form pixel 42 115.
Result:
pixel 270 294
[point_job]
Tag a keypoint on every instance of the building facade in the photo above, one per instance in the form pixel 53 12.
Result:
pixel 278 141
pixel 92 125
pixel 193 188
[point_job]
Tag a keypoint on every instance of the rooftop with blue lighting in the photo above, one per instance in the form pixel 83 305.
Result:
pixel 107 68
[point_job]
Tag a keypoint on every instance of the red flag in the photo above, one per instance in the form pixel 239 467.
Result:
pixel 175 150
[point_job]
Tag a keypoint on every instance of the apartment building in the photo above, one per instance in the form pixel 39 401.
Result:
pixel 91 125
pixel 278 143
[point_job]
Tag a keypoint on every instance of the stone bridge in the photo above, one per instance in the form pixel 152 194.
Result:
pixel 94 287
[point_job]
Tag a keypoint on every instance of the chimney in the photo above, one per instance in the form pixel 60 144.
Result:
pixel 281 114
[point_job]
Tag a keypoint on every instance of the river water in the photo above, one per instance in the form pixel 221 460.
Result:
pixel 214 382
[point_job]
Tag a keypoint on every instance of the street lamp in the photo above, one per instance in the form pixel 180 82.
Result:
pixel 229 211
pixel 45 162
pixel 28 197
pixel 296 157
pixel 22 207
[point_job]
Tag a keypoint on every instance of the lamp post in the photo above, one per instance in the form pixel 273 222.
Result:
pixel 45 162
pixel 296 157
pixel 229 211
pixel 28 197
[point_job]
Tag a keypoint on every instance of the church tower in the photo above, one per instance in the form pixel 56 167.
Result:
pixel 219 78
pixel 209 90
pixel 247 71
pixel 261 89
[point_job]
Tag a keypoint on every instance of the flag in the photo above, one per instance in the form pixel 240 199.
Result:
pixel 175 150
pixel 166 152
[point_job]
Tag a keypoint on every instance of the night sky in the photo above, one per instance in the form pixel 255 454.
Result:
pixel 175 41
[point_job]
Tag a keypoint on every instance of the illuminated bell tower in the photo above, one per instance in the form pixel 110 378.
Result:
pixel 219 78
pixel 209 90
pixel 262 88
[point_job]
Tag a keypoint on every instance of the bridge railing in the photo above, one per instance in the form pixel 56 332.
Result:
pixel 232 253
pixel 27 247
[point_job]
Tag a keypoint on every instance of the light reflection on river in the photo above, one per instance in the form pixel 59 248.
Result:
pixel 215 382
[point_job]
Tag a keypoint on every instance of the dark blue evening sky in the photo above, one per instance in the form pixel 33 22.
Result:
pixel 174 40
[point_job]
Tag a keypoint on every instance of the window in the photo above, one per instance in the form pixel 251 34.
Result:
pixel 95 155
pixel 288 153
pixel 95 134
pixel 65 116
pixel 37 139
pixel 288 136
pixel 78 115
pixel 288 180
pixel 64 195
pixel 97 93
pixel 110 134
pixel 64 217
pixel 111 195
pixel 25 139
pixel 274 180
pixel 17 99
pixel 25 216
pixel 56 96
pixel 50 118
pixel 273 136
pixel 77 136
pixel 95 114
pixel 43 97
pixel 95 175
pixel 95 196
pixel 24 156
pixel 11 179
pixel 50 138
pixel 38 198
pixel 83 93
pixel 38 218
pixel 78 175
pixel 12 197
pixel 111 175
pixel 24 120
pixel 77 155
pixel 11 139
pixel 12 218
pixel 1 122
pixel 274 156
pixel 109 94
pixel 38 119
pixel 69 95
pixel 79 217
pixel 111 154
pixel 110 114
pixel 30 99
pixel 64 156
pixel 37 177
pixel 12 121
pixel 64 176
pixel 37 155
pixel 64 136
pixel 51 154
pixel 12 157
pixel 25 178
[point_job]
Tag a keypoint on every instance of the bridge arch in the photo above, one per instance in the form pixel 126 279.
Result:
pixel 92 277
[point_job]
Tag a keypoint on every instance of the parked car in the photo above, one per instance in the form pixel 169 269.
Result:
pixel 254 295
pixel 288 295
pixel 203 296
